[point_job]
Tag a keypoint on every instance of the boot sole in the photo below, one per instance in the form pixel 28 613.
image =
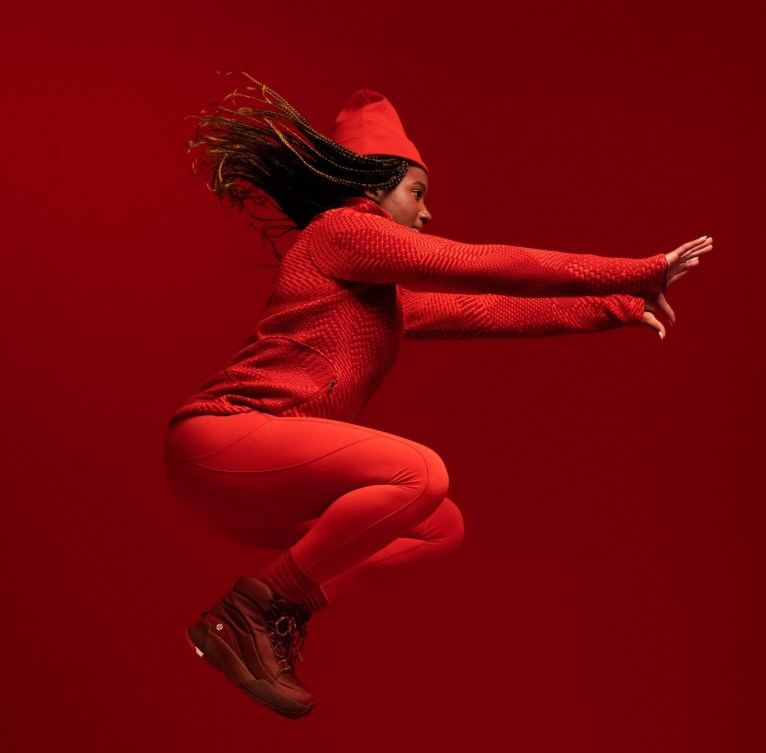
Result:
pixel 218 654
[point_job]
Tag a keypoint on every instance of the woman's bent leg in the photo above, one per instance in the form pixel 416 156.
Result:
pixel 365 488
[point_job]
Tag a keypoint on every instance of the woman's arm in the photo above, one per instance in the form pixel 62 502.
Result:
pixel 364 246
pixel 432 316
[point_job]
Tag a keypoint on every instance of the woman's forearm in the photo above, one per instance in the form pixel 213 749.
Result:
pixel 429 316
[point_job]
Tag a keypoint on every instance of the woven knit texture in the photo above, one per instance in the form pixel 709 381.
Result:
pixel 355 282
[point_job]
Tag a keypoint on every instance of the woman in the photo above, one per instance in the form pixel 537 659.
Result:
pixel 271 438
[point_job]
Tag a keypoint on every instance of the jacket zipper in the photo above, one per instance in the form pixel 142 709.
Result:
pixel 330 386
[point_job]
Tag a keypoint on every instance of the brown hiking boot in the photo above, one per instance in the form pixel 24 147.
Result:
pixel 254 637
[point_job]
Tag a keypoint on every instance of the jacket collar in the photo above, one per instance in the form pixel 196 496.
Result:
pixel 363 204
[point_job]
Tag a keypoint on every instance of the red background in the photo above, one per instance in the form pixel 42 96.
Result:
pixel 609 596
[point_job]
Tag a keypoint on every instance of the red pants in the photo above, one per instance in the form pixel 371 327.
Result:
pixel 367 499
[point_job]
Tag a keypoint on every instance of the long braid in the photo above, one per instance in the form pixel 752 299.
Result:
pixel 256 143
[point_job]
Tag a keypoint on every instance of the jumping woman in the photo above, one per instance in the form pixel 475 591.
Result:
pixel 271 438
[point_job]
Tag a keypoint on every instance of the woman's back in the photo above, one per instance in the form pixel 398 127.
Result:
pixel 321 347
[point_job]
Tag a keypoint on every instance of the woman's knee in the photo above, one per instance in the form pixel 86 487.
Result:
pixel 441 532
pixel 433 479
pixel 448 526
pixel 417 471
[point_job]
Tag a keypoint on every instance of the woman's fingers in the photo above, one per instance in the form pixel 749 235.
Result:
pixel 694 244
pixel 686 257
pixel 697 251
pixel 666 308
pixel 691 249
pixel 654 323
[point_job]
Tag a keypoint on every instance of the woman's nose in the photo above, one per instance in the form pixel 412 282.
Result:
pixel 425 215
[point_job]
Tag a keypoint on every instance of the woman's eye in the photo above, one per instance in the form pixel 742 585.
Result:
pixel 418 194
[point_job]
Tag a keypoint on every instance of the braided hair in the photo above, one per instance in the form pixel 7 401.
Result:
pixel 257 148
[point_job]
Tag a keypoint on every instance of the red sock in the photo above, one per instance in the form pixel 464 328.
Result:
pixel 285 578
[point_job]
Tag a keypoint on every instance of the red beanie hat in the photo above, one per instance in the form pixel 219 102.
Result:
pixel 368 124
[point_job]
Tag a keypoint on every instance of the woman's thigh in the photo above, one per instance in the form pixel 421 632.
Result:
pixel 257 470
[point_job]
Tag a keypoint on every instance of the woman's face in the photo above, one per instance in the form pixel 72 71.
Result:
pixel 406 200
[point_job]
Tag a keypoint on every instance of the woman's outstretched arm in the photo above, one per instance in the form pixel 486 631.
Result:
pixel 367 246
pixel 435 316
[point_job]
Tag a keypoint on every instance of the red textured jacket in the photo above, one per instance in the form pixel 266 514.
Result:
pixel 344 298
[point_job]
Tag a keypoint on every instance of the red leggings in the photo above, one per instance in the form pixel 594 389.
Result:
pixel 366 499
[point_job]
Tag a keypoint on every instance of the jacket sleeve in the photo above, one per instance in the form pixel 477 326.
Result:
pixel 432 316
pixel 350 245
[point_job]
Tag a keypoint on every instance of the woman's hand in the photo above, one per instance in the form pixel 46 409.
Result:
pixel 680 261
pixel 686 257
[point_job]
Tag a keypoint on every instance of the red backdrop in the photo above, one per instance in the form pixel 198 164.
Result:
pixel 609 593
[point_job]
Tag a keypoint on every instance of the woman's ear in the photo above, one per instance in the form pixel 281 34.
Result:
pixel 375 194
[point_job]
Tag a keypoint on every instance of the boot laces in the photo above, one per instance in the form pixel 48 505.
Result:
pixel 287 633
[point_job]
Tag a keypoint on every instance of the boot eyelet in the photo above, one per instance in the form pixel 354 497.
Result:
pixel 283 626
